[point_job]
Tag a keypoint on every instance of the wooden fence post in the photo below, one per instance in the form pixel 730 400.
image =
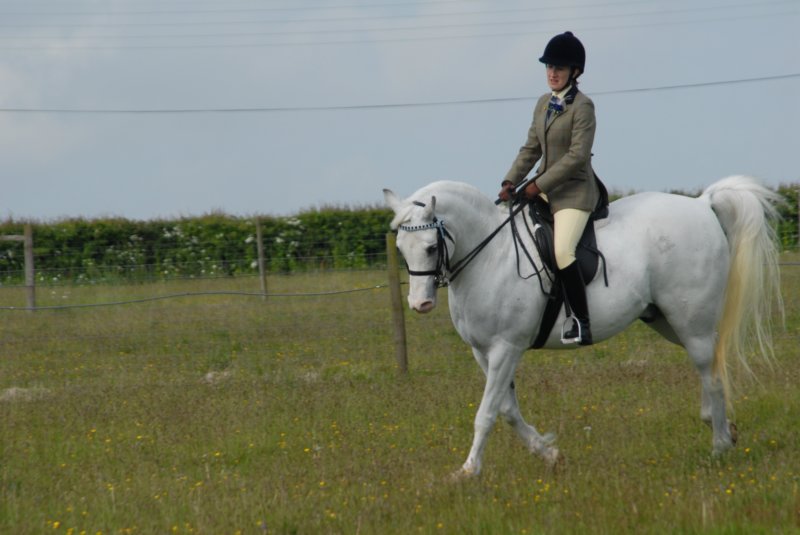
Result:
pixel 398 311
pixel 262 270
pixel 30 280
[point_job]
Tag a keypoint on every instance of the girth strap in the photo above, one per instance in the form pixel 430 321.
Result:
pixel 551 310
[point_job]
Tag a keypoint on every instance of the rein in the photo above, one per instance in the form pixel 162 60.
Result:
pixel 519 244
pixel 443 266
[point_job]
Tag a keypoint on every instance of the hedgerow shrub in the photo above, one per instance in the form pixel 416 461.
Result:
pixel 212 245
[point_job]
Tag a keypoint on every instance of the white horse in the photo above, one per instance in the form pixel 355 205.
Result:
pixel 702 271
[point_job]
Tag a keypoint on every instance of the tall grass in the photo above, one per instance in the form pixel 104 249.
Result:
pixel 226 414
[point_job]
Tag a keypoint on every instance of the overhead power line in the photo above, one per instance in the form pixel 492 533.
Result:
pixel 791 6
pixel 290 109
pixel 403 28
pixel 348 18
pixel 193 7
pixel 369 40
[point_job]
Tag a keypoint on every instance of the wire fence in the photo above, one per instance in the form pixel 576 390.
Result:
pixel 195 270
pixel 197 294
pixel 132 275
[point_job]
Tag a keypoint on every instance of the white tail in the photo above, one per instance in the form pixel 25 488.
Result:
pixel 745 210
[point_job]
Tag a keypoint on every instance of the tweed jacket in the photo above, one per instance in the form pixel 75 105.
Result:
pixel 564 145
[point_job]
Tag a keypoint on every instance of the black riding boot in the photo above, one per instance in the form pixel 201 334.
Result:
pixel 575 290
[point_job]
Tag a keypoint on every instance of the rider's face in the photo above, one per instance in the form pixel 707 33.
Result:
pixel 557 77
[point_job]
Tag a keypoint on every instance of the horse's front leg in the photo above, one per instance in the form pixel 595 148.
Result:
pixel 541 445
pixel 499 365
pixel 535 442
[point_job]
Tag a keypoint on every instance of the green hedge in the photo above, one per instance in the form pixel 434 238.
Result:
pixel 787 227
pixel 81 250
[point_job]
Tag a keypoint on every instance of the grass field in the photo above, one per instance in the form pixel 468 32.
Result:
pixel 231 414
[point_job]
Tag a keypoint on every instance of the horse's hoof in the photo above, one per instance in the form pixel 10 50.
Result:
pixel 720 448
pixel 554 459
pixel 734 431
pixel 461 475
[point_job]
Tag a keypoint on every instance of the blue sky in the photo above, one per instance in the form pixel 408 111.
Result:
pixel 146 109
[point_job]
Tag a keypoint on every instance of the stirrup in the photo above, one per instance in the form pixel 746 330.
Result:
pixel 567 334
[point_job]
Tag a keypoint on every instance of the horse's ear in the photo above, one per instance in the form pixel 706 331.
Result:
pixel 430 207
pixel 392 200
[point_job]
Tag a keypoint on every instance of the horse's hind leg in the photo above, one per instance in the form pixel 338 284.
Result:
pixel 706 409
pixel 713 394
pixel 713 405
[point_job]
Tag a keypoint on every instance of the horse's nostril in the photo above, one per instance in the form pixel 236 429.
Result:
pixel 424 307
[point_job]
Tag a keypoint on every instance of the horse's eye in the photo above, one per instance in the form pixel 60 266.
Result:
pixel 431 249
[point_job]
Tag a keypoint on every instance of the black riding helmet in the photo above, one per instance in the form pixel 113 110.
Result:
pixel 565 50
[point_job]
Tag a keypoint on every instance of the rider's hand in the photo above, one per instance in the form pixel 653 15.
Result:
pixel 532 190
pixel 506 191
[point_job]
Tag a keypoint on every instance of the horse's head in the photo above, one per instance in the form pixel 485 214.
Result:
pixel 421 240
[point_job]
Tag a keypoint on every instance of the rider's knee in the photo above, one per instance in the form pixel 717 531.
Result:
pixel 564 256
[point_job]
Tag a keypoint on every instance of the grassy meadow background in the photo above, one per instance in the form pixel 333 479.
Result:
pixel 229 414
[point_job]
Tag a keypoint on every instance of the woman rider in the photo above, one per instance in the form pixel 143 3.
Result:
pixel 561 136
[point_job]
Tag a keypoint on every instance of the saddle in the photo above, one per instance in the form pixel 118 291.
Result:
pixel 587 254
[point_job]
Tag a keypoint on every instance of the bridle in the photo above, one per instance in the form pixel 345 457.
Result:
pixel 439 273
pixel 444 273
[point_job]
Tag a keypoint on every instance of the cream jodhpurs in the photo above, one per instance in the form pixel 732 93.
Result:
pixel 568 227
